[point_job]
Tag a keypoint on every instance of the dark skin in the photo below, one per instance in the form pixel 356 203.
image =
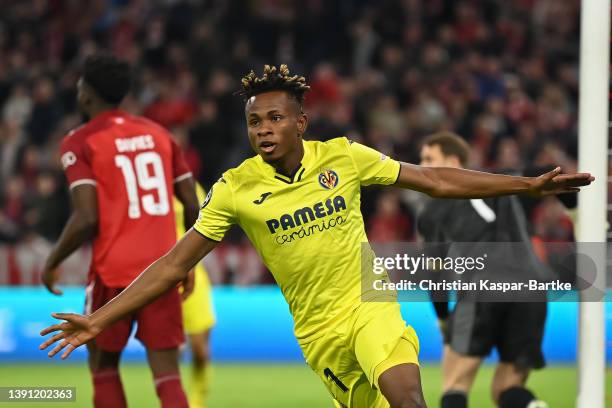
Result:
pixel 276 124
pixel 275 128
pixel 82 226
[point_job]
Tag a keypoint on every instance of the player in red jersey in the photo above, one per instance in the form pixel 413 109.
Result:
pixel 123 171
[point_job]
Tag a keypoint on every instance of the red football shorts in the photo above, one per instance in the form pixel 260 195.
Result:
pixel 160 324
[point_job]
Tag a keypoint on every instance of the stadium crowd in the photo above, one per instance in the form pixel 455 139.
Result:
pixel 502 74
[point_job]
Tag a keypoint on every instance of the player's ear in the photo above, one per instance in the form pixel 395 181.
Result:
pixel 453 161
pixel 302 123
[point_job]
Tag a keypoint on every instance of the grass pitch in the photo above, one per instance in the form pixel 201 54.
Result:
pixel 269 385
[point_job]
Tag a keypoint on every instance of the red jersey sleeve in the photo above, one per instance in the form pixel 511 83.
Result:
pixel 76 161
pixel 180 168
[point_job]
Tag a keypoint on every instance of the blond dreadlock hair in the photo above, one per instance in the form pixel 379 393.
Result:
pixel 274 79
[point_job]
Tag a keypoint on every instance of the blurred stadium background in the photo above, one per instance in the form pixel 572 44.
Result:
pixel 503 74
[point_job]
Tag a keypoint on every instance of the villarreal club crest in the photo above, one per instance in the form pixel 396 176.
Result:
pixel 328 179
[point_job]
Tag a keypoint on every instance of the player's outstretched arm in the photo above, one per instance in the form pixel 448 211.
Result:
pixel 446 182
pixel 161 276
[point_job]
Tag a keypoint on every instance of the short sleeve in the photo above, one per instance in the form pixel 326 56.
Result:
pixel 217 213
pixel 76 162
pixel 373 167
pixel 180 169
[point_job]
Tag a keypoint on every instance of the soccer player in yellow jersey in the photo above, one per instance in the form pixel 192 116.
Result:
pixel 298 202
pixel 198 319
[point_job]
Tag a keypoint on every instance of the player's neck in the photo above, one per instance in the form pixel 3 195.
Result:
pixel 94 111
pixel 288 164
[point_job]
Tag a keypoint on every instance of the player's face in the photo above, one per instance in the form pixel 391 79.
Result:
pixel 275 125
pixel 432 156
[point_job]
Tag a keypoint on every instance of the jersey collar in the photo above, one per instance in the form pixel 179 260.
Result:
pixel 107 114
pixel 298 173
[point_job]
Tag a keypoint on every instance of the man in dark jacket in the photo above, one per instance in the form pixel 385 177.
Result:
pixel 474 327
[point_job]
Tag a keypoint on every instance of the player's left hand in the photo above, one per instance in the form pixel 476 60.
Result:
pixel 554 182
pixel 75 331
pixel 49 278
pixel 188 284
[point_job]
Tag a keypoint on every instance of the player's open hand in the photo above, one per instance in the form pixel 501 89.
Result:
pixel 74 332
pixel 554 182
pixel 49 279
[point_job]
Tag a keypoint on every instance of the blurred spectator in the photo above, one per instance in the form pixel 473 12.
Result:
pixel 12 141
pixel 210 135
pixel 389 223
pixel 386 118
pixel 50 210
pixel 551 222
pixel 504 74
pixel 508 155
pixel 46 111
pixel 14 199
pixel 192 157
pixel 173 105
pixel 18 106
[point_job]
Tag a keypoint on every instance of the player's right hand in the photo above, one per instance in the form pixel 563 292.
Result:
pixel 187 285
pixel 74 332
pixel 49 279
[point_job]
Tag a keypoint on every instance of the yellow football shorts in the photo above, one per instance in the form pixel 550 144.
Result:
pixel 198 314
pixel 352 355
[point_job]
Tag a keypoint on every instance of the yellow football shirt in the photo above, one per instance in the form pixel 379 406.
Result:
pixel 307 228
pixel 198 313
